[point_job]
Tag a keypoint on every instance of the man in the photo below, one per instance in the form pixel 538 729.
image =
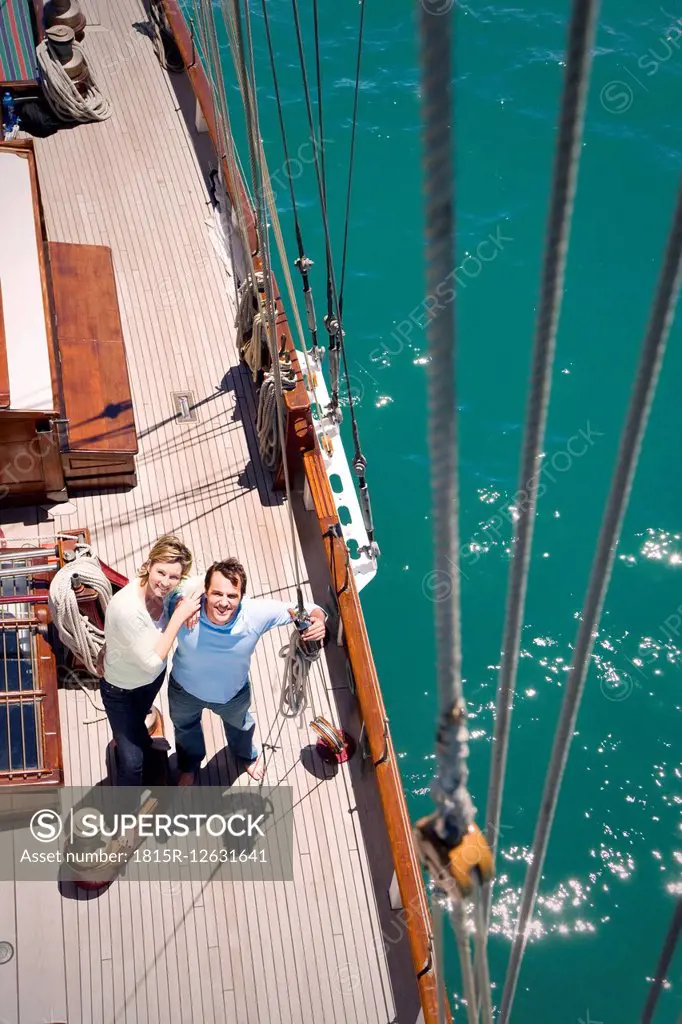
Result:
pixel 211 666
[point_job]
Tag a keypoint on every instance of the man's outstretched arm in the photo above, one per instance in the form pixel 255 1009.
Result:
pixel 279 613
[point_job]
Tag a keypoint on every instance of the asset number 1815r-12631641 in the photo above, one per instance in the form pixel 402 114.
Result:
pixel 223 856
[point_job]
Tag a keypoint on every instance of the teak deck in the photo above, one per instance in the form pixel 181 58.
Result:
pixel 303 951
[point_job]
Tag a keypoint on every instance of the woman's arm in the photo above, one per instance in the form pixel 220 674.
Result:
pixel 193 585
pixel 185 609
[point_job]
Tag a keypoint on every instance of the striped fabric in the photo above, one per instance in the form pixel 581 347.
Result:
pixel 17 45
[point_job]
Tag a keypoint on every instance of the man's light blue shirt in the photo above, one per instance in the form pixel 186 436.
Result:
pixel 212 662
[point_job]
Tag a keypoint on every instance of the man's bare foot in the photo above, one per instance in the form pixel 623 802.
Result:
pixel 256 769
pixel 186 778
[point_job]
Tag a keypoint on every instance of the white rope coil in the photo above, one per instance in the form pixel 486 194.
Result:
pixel 82 637
pixel 266 422
pixel 246 312
pixel 65 98
pixel 295 691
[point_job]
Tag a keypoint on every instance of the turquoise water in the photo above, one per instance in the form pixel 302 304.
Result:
pixel 615 859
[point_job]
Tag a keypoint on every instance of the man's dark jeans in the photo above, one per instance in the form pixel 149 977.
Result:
pixel 127 711
pixel 185 712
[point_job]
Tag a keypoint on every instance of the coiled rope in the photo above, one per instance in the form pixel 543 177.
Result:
pixel 269 444
pixel 163 40
pixel 295 690
pixel 66 99
pixel 82 637
pixel 245 310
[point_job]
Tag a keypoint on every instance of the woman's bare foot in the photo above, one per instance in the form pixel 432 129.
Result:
pixel 256 769
pixel 186 778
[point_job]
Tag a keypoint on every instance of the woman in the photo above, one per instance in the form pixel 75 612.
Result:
pixel 138 638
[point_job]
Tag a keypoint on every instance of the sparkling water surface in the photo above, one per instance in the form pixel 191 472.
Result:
pixel 614 865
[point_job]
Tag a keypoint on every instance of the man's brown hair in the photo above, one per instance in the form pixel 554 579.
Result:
pixel 231 569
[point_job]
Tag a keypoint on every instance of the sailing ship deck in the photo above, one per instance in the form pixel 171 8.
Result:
pixel 311 949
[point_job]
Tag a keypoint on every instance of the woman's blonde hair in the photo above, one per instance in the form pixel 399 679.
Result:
pixel 167 549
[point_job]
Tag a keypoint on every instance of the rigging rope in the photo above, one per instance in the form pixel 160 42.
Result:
pixel 228 18
pixel 323 173
pixel 320 119
pixel 333 318
pixel 251 115
pixel 665 959
pixel 651 359
pixel 450 785
pixel 276 227
pixel 450 845
pixel 359 461
pixel 481 954
pixel 303 262
pixel 352 155
pixel 254 132
pixel 579 49
pixel 67 100
pixel 250 290
pixel 438 952
pixel 457 915
pixel 82 637
pixel 226 147
pixel 298 659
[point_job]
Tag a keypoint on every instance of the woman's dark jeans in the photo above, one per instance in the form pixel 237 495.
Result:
pixel 127 711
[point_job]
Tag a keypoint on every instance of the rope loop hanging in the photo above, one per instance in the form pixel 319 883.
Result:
pixel 269 445
pixel 295 694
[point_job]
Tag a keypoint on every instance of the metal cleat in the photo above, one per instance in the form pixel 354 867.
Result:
pixel 371 550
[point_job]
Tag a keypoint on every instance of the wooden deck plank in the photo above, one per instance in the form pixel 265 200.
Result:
pixel 39 934
pixel 241 950
pixel 9 981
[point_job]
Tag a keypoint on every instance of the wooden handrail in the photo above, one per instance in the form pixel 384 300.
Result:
pixel 302 448
pixel 408 872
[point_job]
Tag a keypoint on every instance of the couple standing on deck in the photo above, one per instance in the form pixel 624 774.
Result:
pixel 217 628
